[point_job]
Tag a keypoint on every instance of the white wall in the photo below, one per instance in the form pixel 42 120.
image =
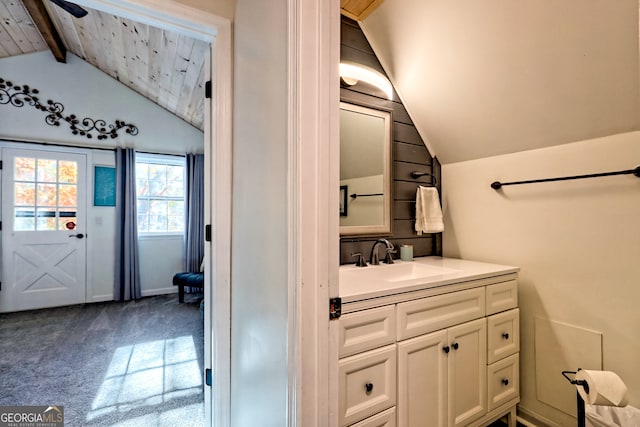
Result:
pixel 87 92
pixel 577 243
pixel 259 256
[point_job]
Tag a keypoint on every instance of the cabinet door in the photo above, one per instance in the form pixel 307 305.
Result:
pixel 467 372
pixel 422 381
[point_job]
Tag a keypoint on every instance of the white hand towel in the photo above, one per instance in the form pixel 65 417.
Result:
pixel 428 211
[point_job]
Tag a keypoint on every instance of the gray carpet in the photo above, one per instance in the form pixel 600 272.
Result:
pixel 137 363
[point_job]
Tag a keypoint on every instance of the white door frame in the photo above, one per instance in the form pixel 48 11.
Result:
pixel 216 30
pixel 314 159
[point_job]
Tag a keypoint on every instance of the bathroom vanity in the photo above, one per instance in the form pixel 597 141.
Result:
pixel 433 342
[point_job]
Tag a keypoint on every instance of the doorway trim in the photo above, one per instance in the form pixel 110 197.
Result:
pixel 218 151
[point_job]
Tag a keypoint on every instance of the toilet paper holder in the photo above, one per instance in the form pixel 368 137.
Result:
pixel 573 381
pixel 582 418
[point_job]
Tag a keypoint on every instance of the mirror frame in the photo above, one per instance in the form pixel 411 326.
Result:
pixel 385 227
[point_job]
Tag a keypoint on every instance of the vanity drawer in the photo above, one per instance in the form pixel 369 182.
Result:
pixel 367 384
pixel 367 329
pixel 503 381
pixel 438 312
pixel 383 419
pixel 503 335
pixel 502 296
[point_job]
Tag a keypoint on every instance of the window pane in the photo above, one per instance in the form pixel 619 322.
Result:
pixel 24 220
pixel 24 194
pixel 158 207
pixel 24 169
pixel 157 188
pixel 176 208
pixel 142 171
pixel 143 223
pixel 47 170
pixel 175 189
pixel 157 172
pixel 175 173
pixel 46 195
pixel 68 172
pixel 67 220
pixel 142 187
pixel 157 223
pixel 46 219
pixel 176 223
pixel 67 195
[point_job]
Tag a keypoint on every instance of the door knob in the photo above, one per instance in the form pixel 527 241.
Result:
pixel 505 335
pixel 455 345
pixel 368 387
pixel 445 349
pixel 77 236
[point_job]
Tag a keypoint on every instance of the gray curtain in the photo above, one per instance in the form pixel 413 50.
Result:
pixel 194 229
pixel 127 283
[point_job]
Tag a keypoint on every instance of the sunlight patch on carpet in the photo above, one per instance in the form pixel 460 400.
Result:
pixel 148 374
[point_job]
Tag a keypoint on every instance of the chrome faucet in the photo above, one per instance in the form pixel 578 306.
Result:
pixel 388 259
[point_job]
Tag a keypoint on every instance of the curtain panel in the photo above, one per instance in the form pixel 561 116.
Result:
pixel 127 284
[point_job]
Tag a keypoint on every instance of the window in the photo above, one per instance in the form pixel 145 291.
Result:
pixel 45 194
pixel 160 187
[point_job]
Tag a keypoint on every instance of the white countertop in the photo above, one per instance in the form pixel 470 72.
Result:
pixel 375 281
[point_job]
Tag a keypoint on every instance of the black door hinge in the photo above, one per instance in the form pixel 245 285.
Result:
pixel 0 164
pixel 207 377
pixel 207 233
pixel 335 308
pixel 207 89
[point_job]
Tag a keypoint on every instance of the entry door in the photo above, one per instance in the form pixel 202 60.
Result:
pixel 43 229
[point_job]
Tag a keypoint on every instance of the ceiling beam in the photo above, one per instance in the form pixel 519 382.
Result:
pixel 45 25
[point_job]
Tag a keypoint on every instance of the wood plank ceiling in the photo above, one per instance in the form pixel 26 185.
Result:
pixel 358 9
pixel 164 66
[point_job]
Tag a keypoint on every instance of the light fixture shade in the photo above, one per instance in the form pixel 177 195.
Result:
pixel 352 73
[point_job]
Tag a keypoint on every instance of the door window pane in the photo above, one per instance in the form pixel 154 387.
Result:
pixel 68 172
pixel 47 170
pixel 24 194
pixel 46 195
pixel 24 169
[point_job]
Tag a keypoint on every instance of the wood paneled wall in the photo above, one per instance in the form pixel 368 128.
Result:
pixel 409 154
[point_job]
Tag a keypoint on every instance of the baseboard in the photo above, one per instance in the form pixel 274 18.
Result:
pixel 100 298
pixel 528 417
pixel 160 291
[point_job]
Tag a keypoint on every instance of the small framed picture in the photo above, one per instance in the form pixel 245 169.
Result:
pixel 343 200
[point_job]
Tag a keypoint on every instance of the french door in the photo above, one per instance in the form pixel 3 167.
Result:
pixel 44 225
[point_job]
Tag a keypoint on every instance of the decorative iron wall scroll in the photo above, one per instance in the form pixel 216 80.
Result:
pixel 21 95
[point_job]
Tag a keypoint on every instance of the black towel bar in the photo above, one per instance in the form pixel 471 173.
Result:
pixel 355 196
pixel 497 184
pixel 416 175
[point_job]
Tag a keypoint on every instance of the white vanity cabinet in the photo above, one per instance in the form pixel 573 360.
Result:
pixel 454 351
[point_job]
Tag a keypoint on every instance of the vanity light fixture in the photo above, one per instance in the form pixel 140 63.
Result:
pixel 352 74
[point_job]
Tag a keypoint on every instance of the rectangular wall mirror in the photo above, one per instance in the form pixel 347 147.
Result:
pixel 365 170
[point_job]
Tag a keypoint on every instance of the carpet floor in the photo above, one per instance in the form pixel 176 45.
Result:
pixel 136 363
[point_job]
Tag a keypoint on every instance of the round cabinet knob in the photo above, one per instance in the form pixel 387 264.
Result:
pixel 368 387
pixel 505 381
pixel 455 345
pixel 445 349
pixel 505 335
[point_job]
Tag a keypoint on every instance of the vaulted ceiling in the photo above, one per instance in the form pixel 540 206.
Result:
pixel 482 78
pixel 164 66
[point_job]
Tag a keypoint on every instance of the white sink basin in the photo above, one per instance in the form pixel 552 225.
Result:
pixel 394 273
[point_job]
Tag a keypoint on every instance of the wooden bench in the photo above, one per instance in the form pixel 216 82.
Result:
pixel 194 280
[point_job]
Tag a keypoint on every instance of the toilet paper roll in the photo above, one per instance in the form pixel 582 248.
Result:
pixel 605 388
